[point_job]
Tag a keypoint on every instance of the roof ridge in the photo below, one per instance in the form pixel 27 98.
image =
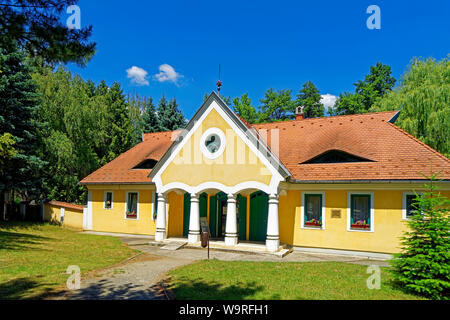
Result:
pixel 419 141
pixel 325 118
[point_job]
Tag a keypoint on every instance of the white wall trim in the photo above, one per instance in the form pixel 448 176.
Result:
pixel 126 205
pixel 372 210
pixel 248 185
pixel 302 210
pixel 89 212
pixel 104 199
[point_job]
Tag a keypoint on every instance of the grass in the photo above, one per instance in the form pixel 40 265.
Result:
pixel 34 257
pixel 229 280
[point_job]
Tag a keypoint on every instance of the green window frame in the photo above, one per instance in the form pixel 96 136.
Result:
pixel 155 206
pixel 313 216
pixel 360 212
pixel 132 205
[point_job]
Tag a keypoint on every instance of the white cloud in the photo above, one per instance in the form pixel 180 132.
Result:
pixel 167 73
pixel 328 100
pixel 138 75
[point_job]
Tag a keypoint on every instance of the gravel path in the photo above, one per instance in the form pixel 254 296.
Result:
pixel 139 278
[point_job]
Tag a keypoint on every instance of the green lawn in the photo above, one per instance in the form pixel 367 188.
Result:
pixel 34 257
pixel 284 280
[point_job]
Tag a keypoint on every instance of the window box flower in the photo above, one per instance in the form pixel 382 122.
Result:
pixel 361 224
pixel 313 223
pixel 131 214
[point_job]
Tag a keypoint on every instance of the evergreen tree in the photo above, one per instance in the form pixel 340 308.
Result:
pixel 423 97
pixel 243 107
pixel 150 118
pixel 19 105
pixel 36 26
pixel 423 267
pixel 375 85
pixel 170 117
pixel 276 106
pixel 309 97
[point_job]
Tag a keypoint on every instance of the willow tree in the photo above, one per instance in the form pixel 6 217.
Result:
pixel 424 98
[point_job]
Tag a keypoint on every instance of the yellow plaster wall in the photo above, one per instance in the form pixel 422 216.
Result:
pixel 388 223
pixel 231 168
pixel 113 220
pixel 73 218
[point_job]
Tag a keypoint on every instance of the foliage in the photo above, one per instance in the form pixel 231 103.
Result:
pixel 86 127
pixel 309 97
pixel 276 105
pixel 243 107
pixel 19 105
pixel 375 85
pixel 424 265
pixel 7 150
pixel 37 28
pixel 424 98
pixel 150 119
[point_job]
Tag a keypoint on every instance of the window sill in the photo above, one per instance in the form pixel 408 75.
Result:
pixel 312 228
pixel 360 230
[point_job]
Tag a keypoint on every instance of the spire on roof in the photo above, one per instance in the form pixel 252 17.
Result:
pixel 219 83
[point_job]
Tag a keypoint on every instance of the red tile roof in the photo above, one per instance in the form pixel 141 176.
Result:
pixel 65 205
pixel 396 155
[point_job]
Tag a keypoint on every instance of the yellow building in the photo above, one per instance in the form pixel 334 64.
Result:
pixel 344 182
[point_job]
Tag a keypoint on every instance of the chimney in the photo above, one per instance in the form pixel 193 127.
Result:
pixel 299 113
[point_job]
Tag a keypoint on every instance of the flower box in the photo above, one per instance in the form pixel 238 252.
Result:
pixel 315 224
pixel 360 226
pixel 132 215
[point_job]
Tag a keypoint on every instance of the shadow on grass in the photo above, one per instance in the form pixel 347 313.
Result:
pixel 107 289
pixel 19 241
pixel 201 290
pixel 21 288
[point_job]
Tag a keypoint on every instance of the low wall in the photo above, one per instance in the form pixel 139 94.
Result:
pixel 66 214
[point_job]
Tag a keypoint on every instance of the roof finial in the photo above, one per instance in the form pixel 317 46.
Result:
pixel 219 83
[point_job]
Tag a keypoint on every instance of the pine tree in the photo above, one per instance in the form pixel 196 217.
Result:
pixel 170 117
pixel 19 105
pixel 309 97
pixel 423 267
pixel 150 118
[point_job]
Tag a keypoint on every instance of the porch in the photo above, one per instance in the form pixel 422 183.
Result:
pixel 244 220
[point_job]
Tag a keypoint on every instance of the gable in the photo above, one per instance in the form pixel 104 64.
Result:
pixel 243 157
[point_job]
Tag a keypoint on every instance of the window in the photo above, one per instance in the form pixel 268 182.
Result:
pixel 108 200
pixel 336 156
pixel 132 205
pixel 409 204
pixel 313 210
pixel 212 143
pixel 360 212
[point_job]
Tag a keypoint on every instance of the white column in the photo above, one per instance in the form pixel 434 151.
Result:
pixel 273 234
pixel 161 218
pixel 194 220
pixel 231 235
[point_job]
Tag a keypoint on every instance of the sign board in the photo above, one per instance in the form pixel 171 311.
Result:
pixel 204 224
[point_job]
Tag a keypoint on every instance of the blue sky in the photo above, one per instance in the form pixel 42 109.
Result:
pixel 259 44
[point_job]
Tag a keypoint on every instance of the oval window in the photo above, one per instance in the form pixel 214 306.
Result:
pixel 212 143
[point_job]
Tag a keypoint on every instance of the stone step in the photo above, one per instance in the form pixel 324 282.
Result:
pixel 172 246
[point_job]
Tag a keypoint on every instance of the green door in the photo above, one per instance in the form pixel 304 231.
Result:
pixel 186 211
pixel 242 217
pixel 259 210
